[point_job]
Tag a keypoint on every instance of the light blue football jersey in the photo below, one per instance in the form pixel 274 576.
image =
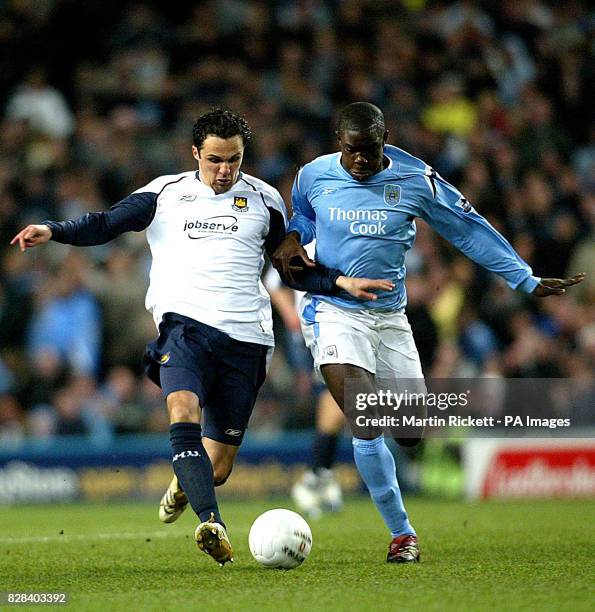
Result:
pixel 364 228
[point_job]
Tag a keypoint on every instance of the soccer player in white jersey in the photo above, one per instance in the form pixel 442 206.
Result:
pixel 208 230
pixel 360 205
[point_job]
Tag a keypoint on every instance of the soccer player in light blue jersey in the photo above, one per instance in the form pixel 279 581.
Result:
pixel 360 204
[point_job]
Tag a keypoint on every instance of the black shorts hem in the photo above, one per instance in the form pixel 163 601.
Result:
pixel 222 437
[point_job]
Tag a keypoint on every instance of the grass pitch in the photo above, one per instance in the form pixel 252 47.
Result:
pixel 513 556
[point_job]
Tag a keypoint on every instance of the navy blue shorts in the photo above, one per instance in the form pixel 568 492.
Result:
pixel 225 374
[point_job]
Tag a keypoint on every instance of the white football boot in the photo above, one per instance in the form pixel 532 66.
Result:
pixel 330 493
pixel 173 502
pixel 306 495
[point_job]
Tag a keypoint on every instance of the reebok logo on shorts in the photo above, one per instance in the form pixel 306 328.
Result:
pixel 330 351
pixel 233 432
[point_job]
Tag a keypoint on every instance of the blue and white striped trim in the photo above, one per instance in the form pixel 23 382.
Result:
pixel 309 314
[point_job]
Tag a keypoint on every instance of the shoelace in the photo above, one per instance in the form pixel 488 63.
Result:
pixel 410 549
pixel 407 546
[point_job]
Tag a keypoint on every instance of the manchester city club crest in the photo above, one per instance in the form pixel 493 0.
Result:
pixel 392 194
pixel 240 204
pixel 330 351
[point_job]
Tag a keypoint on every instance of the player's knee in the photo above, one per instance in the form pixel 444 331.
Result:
pixel 182 414
pixel 182 407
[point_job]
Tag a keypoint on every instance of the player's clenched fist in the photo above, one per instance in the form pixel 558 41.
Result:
pixel 290 257
pixel 32 235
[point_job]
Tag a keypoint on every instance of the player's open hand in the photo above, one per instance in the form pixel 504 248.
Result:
pixel 31 236
pixel 557 286
pixel 362 288
pixel 291 256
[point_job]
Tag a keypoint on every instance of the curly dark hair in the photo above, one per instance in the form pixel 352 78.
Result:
pixel 220 122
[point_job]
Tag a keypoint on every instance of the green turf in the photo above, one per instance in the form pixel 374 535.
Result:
pixel 507 556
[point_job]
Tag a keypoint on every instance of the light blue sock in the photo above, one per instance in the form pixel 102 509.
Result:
pixel 376 466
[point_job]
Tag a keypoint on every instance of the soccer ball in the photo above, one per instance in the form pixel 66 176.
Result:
pixel 280 538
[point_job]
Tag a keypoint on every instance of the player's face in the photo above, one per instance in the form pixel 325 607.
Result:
pixel 219 161
pixel 362 152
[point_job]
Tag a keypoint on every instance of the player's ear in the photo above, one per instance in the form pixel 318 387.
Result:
pixel 195 152
pixel 338 134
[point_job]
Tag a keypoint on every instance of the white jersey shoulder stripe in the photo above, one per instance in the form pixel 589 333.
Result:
pixel 271 198
pixel 158 185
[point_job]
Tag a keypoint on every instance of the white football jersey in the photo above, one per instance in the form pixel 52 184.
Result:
pixel 208 253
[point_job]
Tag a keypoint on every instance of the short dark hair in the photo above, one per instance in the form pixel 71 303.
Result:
pixel 220 122
pixel 361 117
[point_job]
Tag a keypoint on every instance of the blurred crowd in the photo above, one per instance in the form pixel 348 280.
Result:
pixel 98 98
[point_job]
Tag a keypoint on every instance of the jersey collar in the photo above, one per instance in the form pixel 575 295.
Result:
pixel 210 191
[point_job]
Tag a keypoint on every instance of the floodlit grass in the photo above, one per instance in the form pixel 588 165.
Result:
pixel 513 556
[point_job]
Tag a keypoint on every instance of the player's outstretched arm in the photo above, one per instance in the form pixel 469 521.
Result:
pixel 362 288
pixel 133 213
pixel 290 256
pixel 32 236
pixel 556 286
